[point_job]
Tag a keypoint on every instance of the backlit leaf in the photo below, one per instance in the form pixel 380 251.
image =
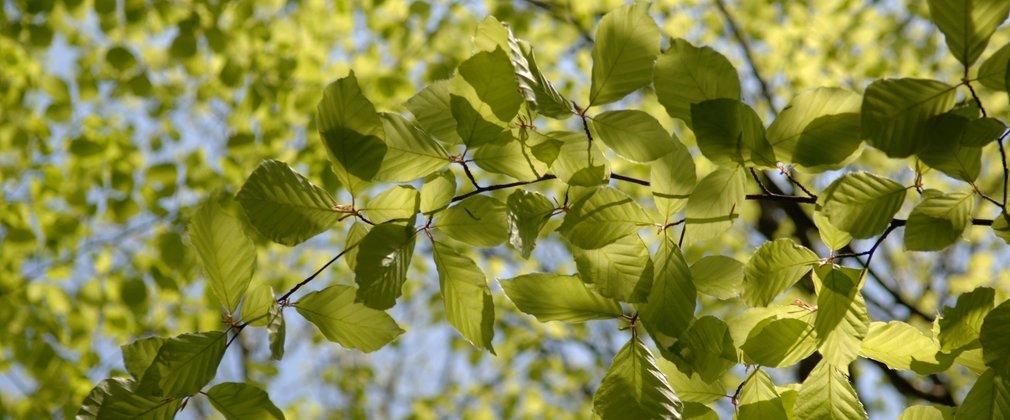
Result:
pixel 115 398
pixel 827 394
pixel 669 308
pixel 352 132
pixel 635 388
pixel 627 43
pixel 634 135
pixel 862 203
pixel 228 255
pixel 961 325
pixel 395 204
pixel 760 400
pixel 467 298
pixel 672 178
pixel 773 268
pixel 718 276
pixel 988 399
pixel 342 320
pixel 621 270
pixel 382 261
pixel 184 364
pixel 527 213
pixel 687 75
pixel 714 204
pixel 554 297
pixel 578 161
pixel 437 192
pixel 968 24
pixel 842 319
pixel 601 217
pixel 731 134
pixel 995 338
pixel 780 342
pixel 938 221
pixel 895 113
pixel 242 401
pixel 478 220
pixel 787 130
pixel 902 346
pixel 284 206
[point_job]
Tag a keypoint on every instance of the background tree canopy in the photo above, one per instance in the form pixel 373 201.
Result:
pixel 690 208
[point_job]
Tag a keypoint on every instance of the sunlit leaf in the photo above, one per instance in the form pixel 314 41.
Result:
pixel 276 332
pixel 602 217
pixel 895 112
pixel 988 399
pixel 968 24
pixel 731 134
pixel 432 110
pixel 342 320
pixel 714 204
pixel 862 203
pixel 484 97
pixel 995 338
pixel 467 298
pixel 773 268
pixel 672 178
pixel 759 399
pixel 944 149
pixel 284 206
pixel 184 364
pixel 902 346
pixel 842 319
pixel 395 204
pixel 961 325
pixel 938 221
pixel 382 261
pixel 138 355
pixel 718 276
pixel 115 398
pixel 478 220
pixel 579 162
pixel 627 43
pixel 527 213
pixel 228 255
pixel 634 135
pixel 687 75
pixel 242 401
pixel 780 342
pixel 635 388
pixel 554 297
pixel 786 132
pixel 621 270
pixel 827 394
pixel 410 152
pixel 708 347
pixel 351 131
pixel 669 307
pixel 437 192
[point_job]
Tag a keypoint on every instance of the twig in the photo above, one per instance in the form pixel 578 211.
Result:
pixel 890 228
pixel 620 177
pixel 285 297
pixel 469 175
pixel 764 189
pixel 780 197
pixel 500 186
pixel 748 55
pixel 986 197
pixel 1006 170
pixel 965 81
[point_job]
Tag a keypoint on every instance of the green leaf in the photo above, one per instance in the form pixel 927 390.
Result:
pixel 895 113
pixel 989 398
pixel 927 412
pixel 382 261
pixel 833 238
pixel 398 203
pixel 490 35
pixel 687 75
pixel 467 298
pixel 242 401
pixel 634 135
pixel 773 268
pixel 342 320
pixel 635 388
pixel 731 134
pixel 713 204
pixel 669 308
pixel 579 162
pixel 355 233
pixel 842 319
pixel 276 332
pixel 228 255
pixel 484 97
pixel 707 346
pixel 938 221
pixel 780 342
pixel 759 399
pixel 509 156
pixel 692 388
pixel 672 178
pixel 621 270
pixel 698 411
pixel 828 141
pixel 995 338
pixel 943 149
pixel 432 110
pixel 410 152
pixel 718 276
pixel 554 297
pixel 627 43
pixel 902 346
pixel 827 394
pixel 548 101
pixel 352 132
pixel 527 213
pixel 968 24
pixel 982 131
pixel 437 192
pixel 477 220
pixel 1001 227
pixel 284 206
pixel 992 72
pixel 862 203
pixel 120 58
pixel 786 132
pixel 257 305
pixel 114 398
pixel 138 355
pixel 602 216
pixel 960 326
pixel 184 364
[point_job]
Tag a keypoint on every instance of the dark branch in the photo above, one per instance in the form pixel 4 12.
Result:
pixel 780 197
pixel 748 54
pixel 285 297
pixel 630 179
pixel 500 187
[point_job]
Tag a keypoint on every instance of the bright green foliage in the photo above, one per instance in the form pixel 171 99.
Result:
pixel 968 24
pixel 794 132
pixel 780 342
pixel 731 134
pixel 992 72
pixel 827 394
pixel 707 348
pixel 284 206
pixel 343 320
pixel 862 203
pixel 257 305
pixel 602 216
pixel 669 307
pixel 634 387
pixel 228 255
pixel 712 206
pixel 961 324
pixel 484 97
pixel 895 112
pixel 242 401
pixel 381 265
pixel 627 43
pixel 686 75
pixel 507 156
pixel 842 319
pixel 995 338
pixel 718 276
pixel 115 398
pixel 621 270
pixel 945 150
pixel 431 109
pixel 773 268
pixel 183 365
pixel 634 135
pixel 527 212
pixel 411 153
pixel 692 388
pixel 938 221
pixel 927 412
pixel 352 132
pixel 673 177
pixel 393 205
pixel 902 346
pixel 989 398
pixel 437 192
pixel 553 297
pixel 138 355
pixel 276 332
pixel 479 221
pixel 759 399
pixel 467 299
pixel 1001 227
pixel 579 162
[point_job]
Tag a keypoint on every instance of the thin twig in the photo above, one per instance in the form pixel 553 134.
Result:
pixel 620 177
pixel 974 95
pixel 1006 170
pixel 780 197
pixel 764 189
pixel 501 186
pixel 469 175
pixel 285 297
